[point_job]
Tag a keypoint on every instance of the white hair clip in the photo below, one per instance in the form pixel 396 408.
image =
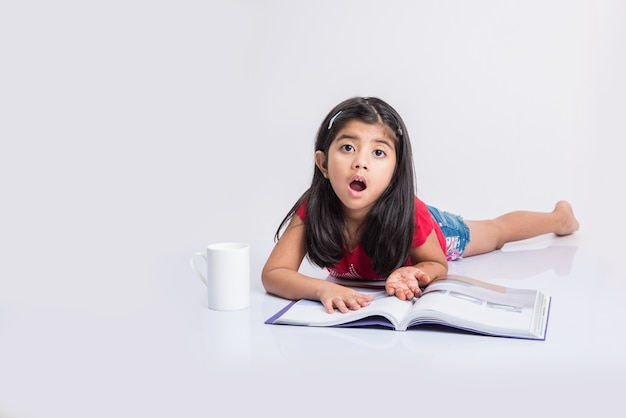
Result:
pixel 332 120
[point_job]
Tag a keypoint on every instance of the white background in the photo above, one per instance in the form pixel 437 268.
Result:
pixel 134 133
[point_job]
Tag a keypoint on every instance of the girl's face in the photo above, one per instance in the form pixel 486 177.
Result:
pixel 360 163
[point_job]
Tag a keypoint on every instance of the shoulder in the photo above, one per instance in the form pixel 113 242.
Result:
pixel 423 223
pixel 421 210
pixel 301 210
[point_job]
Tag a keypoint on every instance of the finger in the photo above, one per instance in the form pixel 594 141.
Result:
pixel 391 289
pixel 328 306
pixel 401 294
pixel 424 278
pixel 352 304
pixel 417 292
pixel 368 298
pixel 358 301
pixel 340 305
pixel 416 289
pixel 364 300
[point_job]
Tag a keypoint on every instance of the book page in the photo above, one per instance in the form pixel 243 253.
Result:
pixel 473 313
pixel 492 309
pixel 312 313
pixel 497 295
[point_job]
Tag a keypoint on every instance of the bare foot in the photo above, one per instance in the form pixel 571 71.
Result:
pixel 569 223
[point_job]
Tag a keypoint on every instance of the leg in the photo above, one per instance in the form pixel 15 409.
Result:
pixel 492 234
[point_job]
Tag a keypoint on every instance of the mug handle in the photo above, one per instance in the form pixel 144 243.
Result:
pixel 194 257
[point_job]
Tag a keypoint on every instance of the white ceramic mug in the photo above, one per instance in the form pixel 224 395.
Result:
pixel 227 278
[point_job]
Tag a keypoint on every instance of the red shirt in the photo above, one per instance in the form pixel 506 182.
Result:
pixel 356 264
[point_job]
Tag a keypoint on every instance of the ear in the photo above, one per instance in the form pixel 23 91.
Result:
pixel 320 162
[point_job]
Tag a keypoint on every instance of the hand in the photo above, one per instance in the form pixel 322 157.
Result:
pixel 405 282
pixel 343 299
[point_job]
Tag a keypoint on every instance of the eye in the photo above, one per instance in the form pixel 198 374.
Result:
pixel 379 153
pixel 347 148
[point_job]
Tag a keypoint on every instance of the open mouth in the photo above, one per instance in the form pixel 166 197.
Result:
pixel 357 185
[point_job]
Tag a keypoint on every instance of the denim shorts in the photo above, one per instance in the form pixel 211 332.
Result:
pixel 454 229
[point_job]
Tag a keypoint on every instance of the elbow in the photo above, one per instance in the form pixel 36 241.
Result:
pixel 265 278
pixel 269 280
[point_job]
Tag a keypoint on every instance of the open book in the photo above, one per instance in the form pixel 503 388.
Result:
pixel 454 301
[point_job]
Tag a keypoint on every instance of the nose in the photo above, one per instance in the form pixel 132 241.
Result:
pixel 360 161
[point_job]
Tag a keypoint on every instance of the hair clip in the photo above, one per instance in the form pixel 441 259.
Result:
pixel 332 120
pixel 399 131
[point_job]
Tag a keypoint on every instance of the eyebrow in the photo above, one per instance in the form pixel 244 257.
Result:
pixel 379 141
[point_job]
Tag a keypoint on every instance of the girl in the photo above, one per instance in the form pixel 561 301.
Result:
pixel 361 218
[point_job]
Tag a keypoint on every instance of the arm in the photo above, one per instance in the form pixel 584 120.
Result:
pixel 429 264
pixel 280 275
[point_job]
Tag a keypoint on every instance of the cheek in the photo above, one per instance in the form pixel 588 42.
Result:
pixel 388 168
pixel 334 164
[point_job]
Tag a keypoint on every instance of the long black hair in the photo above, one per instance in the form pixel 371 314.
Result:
pixel 388 229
